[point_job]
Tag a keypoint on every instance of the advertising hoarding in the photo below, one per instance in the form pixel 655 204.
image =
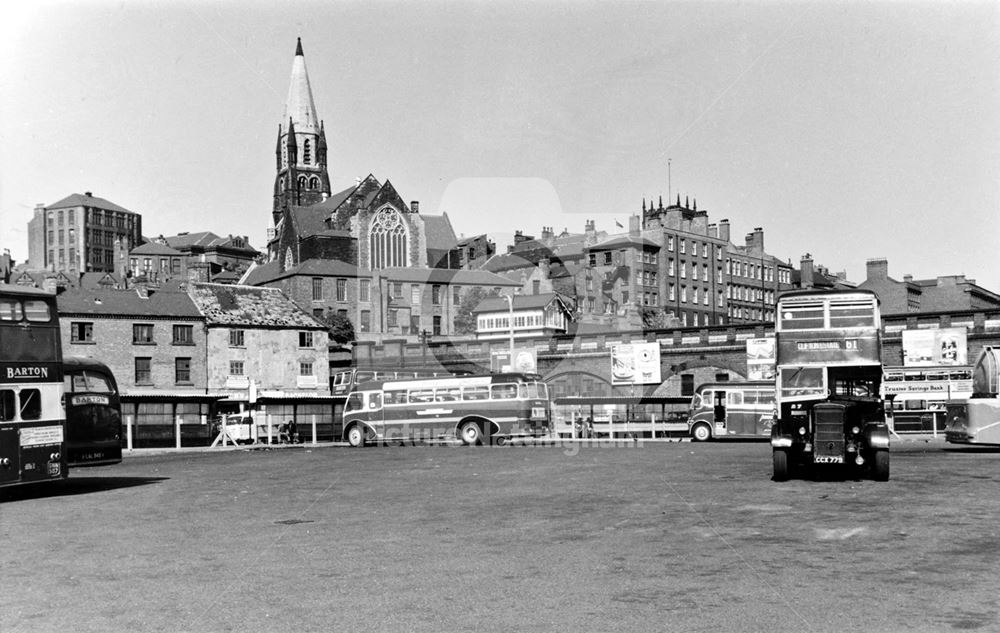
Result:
pixel 635 364
pixel 760 359
pixel 936 346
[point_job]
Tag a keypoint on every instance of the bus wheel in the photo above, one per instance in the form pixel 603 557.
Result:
pixel 356 436
pixel 470 433
pixel 701 433
pixel 880 466
pixel 780 458
pixel 501 441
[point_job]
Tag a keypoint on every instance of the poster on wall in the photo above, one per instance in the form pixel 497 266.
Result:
pixel 760 359
pixel 635 364
pixel 935 346
pixel 525 360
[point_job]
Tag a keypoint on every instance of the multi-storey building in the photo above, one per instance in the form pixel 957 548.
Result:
pixel 947 292
pixel 79 234
pixel 753 278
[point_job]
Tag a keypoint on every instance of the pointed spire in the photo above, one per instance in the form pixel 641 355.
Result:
pixel 644 203
pixel 291 138
pixel 696 204
pixel 299 105
pixel 678 199
pixel 687 203
pixel 661 201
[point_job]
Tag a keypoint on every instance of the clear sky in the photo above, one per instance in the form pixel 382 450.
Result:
pixel 848 130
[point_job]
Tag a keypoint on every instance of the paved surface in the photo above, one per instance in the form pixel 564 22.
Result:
pixel 598 537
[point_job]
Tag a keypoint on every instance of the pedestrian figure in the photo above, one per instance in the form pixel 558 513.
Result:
pixel 283 434
pixel 293 432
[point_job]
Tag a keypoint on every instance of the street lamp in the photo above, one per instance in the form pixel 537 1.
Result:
pixel 510 324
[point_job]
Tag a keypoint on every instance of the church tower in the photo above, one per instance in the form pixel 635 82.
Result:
pixel 302 177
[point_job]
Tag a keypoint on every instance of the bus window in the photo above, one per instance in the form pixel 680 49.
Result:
pixel 31 404
pixel 851 314
pixel 448 394
pixel 395 397
pixel 533 390
pixel 422 395
pixel 10 310
pixel 735 398
pixel 6 405
pixel 766 397
pixel 750 398
pixel 476 393
pixel 355 402
pixel 37 311
pixel 365 376
pixel 504 392
pixel 375 400
pixel 805 316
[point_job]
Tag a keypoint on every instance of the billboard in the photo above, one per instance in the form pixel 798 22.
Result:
pixel 525 360
pixel 935 346
pixel 760 359
pixel 635 364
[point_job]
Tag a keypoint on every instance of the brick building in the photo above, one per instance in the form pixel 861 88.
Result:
pixel 947 292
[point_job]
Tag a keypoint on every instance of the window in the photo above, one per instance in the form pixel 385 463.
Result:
pixel 305 339
pixel 306 152
pixel 142 373
pixel 142 333
pixel 397 290
pixel 341 289
pixel 387 239
pixel 81 332
pixel 393 318
pixel 415 294
pixel 29 404
pixel 536 286
pixel 607 258
pixel 182 370
pixel 670 267
pixel 305 369
pixel 317 288
pixel 235 368
pixel 683 247
pixel 366 320
pixel 183 335
pixel 365 290
pixel 687 384
pixel 437 325
pixel 670 243
pixel 704 249
pixel 456 295
pixel 593 258
pixel 436 295
pixel 236 338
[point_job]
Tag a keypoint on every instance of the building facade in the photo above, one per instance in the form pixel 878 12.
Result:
pixel 79 234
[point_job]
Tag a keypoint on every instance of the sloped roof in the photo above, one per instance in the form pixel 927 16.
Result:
pixel 468 240
pixel 625 241
pixel 163 303
pixel 307 221
pixel 187 240
pixel 521 302
pixel 93 280
pixel 155 248
pixel 439 232
pixel 447 276
pixel 83 200
pixel 224 304
pixel 261 273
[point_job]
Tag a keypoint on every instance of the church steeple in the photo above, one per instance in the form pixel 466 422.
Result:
pixel 302 178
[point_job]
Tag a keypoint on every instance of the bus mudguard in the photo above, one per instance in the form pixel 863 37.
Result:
pixel 877 436
pixel 779 439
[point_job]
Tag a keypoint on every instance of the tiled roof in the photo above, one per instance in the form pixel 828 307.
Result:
pixel 163 303
pixel 187 240
pixel 623 241
pixel 223 304
pixel 81 200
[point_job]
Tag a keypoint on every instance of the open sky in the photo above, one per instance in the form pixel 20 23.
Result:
pixel 848 130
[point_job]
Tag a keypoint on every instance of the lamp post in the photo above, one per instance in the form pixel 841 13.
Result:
pixel 510 324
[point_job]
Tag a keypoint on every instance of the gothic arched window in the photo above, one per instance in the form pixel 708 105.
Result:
pixel 306 152
pixel 302 182
pixel 387 238
pixel 314 183
pixel 289 259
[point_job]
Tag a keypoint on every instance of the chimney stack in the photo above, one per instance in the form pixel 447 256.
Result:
pixel 724 230
pixel 806 271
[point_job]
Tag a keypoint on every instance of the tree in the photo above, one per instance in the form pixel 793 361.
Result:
pixel 465 320
pixel 340 327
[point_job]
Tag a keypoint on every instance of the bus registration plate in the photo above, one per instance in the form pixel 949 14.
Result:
pixel 829 459
pixel 538 412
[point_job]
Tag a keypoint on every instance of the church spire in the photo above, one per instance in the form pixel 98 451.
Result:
pixel 299 105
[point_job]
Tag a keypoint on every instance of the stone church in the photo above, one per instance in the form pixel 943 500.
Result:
pixel 362 252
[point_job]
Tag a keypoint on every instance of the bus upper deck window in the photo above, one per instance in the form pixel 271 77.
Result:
pixel 10 310
pixel 37 311
pixel 7 405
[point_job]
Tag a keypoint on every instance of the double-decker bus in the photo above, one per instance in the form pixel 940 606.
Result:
pixel 731 409
pixel 976 420
pixel 32 418
pixel 93 413
pixel 474 409
pixel 828 390
pixel 916 397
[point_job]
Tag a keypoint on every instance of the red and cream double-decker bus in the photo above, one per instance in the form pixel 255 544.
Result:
pixel 32 417
pixel 474 409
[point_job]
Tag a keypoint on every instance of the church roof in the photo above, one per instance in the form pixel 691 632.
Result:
pixel 439 232
pixel 86 200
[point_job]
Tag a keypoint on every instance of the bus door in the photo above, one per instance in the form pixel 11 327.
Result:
pixel 739 421
pixel 10 453
pixel 719 411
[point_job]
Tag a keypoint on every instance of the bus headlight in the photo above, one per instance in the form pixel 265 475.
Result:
pixel 855 430
pixel 802 430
